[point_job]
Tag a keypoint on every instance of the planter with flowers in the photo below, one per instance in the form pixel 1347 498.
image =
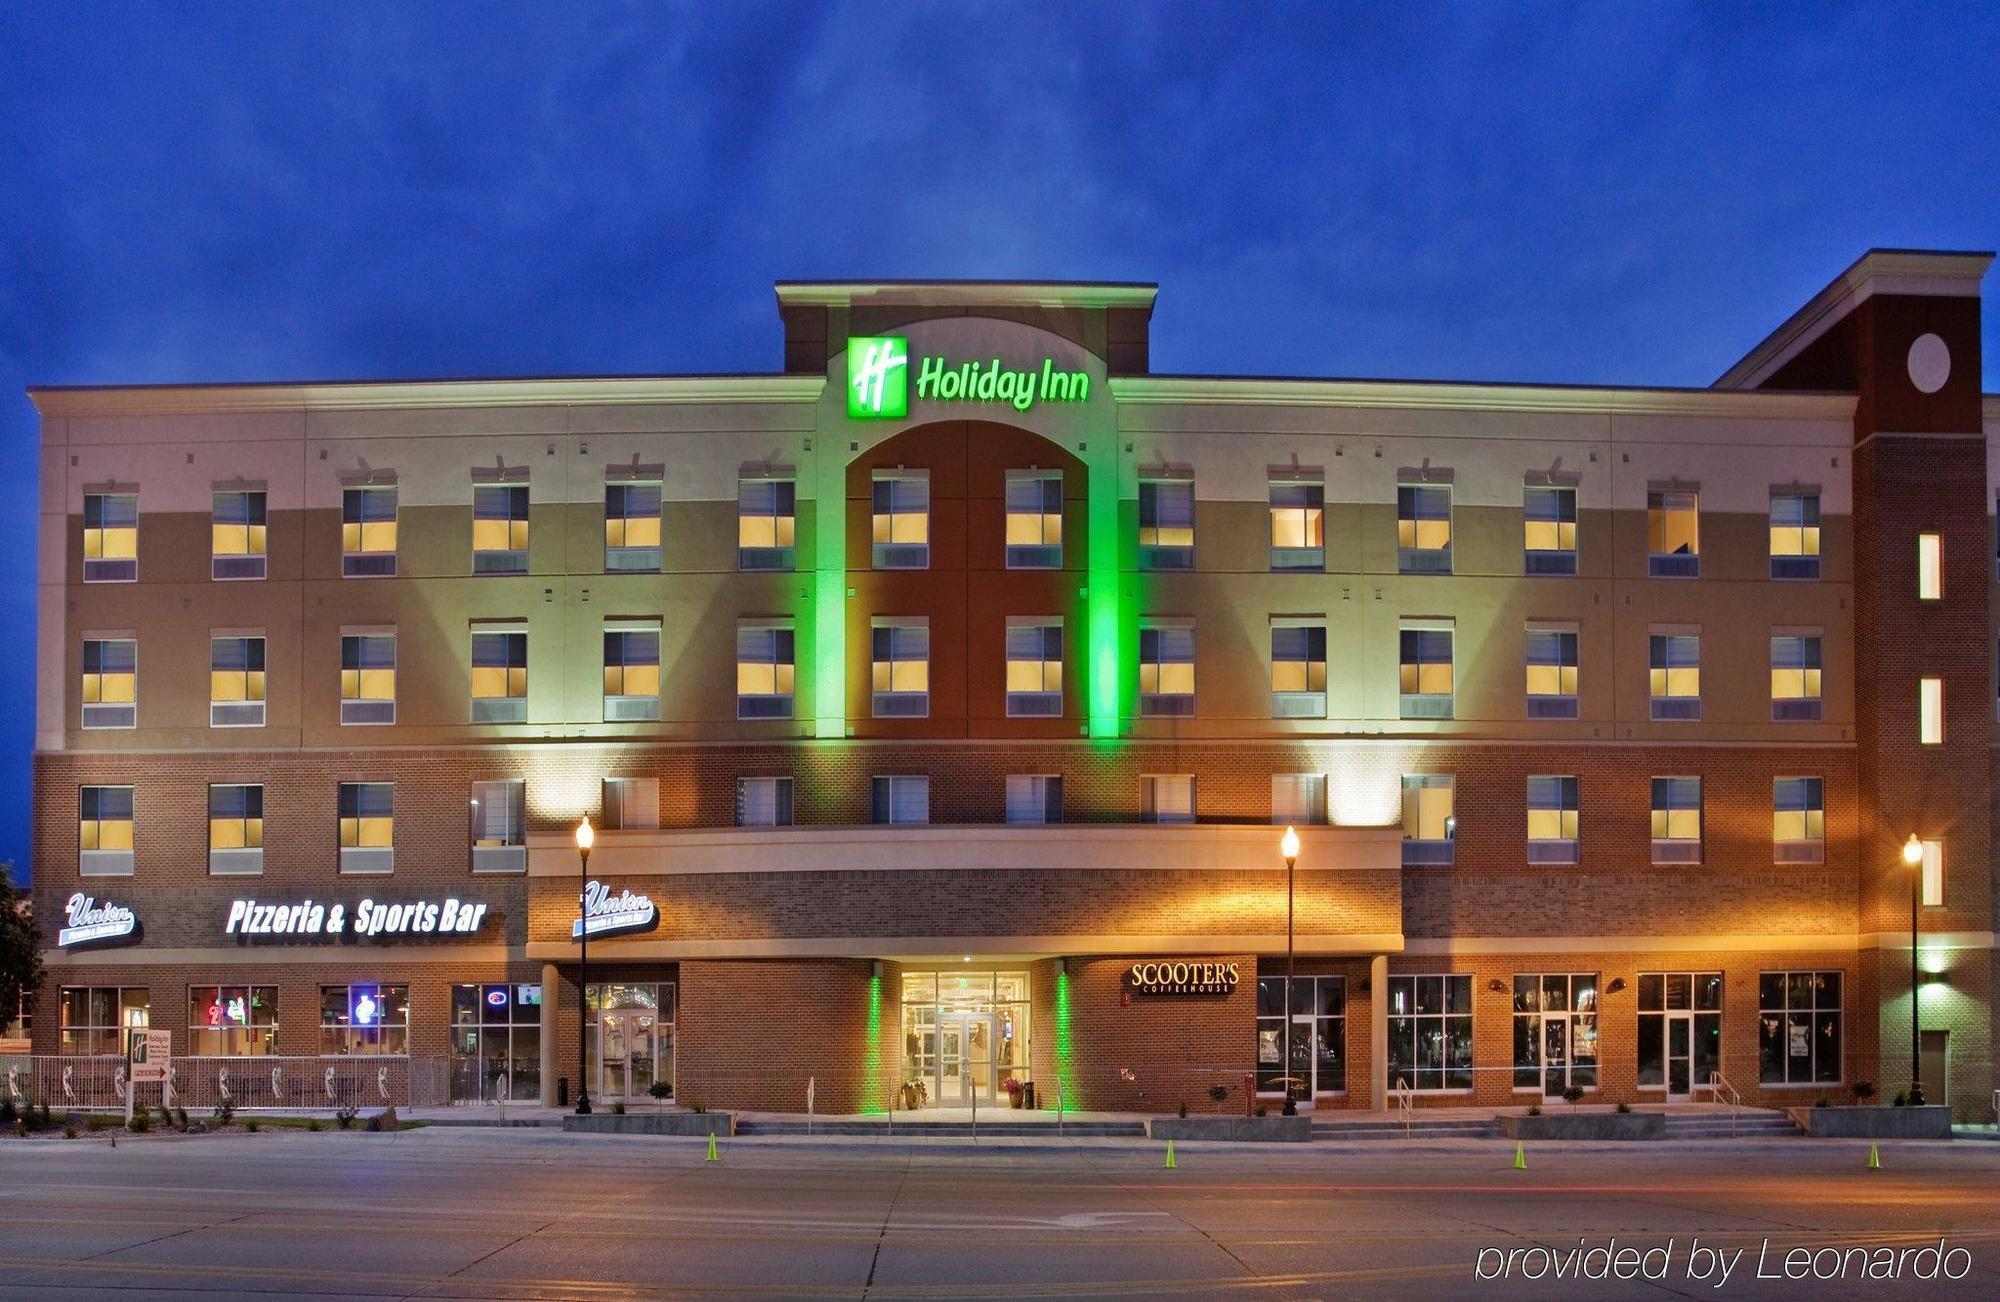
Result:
pixel 1013 1087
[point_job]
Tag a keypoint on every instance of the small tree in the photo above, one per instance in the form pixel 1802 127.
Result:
pixel 20 948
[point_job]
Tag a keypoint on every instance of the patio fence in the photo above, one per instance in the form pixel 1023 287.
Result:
pixel 99 1082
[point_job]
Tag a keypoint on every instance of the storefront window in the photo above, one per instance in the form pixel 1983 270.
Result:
pixel 1680 1030
pixel 1318 1014
pixel 1555 1031
pixel 364 1019
pixel 631 1041
pixel 1430 1032
pixel 964 1034
pixel 96 1018
pixel 232 1021
pixel 496 1043
pixel 1798 1028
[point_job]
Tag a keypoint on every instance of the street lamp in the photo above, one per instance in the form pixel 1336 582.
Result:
pixel 1289 848
pixel 585 838
pixel 1913 855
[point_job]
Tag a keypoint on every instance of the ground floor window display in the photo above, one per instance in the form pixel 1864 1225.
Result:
pixel 1317 1013
pixel 496 1043
pixel 1680 1031
pixel 1555 1031
pixel 965 1034
pixel 1430 1032
pixel 631 1041
pixel 232 1021
pixel 1798 1028
pixel 364 1019
pixel 95 1019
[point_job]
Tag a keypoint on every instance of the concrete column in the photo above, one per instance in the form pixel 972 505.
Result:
pixel 1378 1031
pixel 551 998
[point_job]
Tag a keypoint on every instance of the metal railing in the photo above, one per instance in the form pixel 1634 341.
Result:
pixel 100 1082
pixel 1719 1088
pixel 1406 1103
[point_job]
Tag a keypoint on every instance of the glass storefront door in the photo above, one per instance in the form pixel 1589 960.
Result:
pixel 632 1042
pixel 965 1034
pixel 968 1065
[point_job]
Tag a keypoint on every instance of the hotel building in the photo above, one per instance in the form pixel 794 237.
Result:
pixel 939 702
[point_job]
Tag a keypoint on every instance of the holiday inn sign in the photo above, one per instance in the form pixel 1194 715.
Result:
pixel 878 380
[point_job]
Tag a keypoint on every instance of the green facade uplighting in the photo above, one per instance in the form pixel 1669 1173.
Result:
pixel 1066 1045
pixel 871 1088
pixel 1107 641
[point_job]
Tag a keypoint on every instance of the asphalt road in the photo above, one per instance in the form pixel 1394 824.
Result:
pixel 455 1213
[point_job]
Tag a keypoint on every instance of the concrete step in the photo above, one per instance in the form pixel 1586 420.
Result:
pixel 1336 1132
pixel 950 1129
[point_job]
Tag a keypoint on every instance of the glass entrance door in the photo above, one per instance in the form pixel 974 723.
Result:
pixel 967 1066
pixel 1680 1056
pixel 629 1052
pixel 1555 1055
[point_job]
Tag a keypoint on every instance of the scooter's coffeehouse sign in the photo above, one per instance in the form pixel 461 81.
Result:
pixel 1181 977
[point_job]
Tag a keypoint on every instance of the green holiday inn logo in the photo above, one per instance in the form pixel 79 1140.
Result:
pixel 878 377
pixel 878 380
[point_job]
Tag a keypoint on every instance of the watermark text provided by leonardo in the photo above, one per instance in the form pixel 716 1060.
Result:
pixel 1718 1266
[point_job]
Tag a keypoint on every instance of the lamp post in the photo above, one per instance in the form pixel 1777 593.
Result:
pixel 1913 855
pixel 1289 847
pixel 585 838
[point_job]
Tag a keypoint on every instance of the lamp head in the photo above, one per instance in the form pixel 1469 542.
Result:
pixel 1913 851
pixel 585 836
pixel 1289 845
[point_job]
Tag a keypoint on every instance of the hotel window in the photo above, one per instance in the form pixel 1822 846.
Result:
pixel 1166 524
pixel 1555 1031
pixel 1798 1028
pixel 1552 671
pixel 766 524
pixel 1317 1014
pixel 1426 680
pixel 1794 535
pixel 1034 667
pixel 235 829
pixel 370 1020
pixel 1930 711
pixel 1549 547
pixel 237 534
pixel 764 802
pixel 1930 567
pixel 499 826
pixel 1931 882
pixel 1429 826
pixel 1795 677
pixel 1166 798
pixel 1673 534
pixel 367 827
pixel 236 682
pixel 1676 820
pixel 901 800
pixel 631 528
pixel 902 500
pixel 368 678
pixel 368 532
pixel 104 831
pixel 110 537
pixel 1430 1033
pixel 1298 799
pixel 900 668
pixel 500 674
pixel 1423 529
pixel 1798 820
pixel 1674 682
pixel 1680 1030
pixel 1166 669
pixel 97 1019
pixel 631 804
pixel 1298 526
pixel 1298 669
pixel 764 670
pixel 233 1021
pixel 1034 519
pixel 1034 798
pixel 1553 820
pixel 110 683
pixel 631 671
pixel 499 528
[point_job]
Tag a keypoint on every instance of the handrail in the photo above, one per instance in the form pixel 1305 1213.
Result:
pixel 1406 1103
pixel 1718 1086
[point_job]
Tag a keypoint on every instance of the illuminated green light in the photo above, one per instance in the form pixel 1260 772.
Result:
pixel 871 1090
pixel 878 377
pixel 1065 1046
pixel 1106 648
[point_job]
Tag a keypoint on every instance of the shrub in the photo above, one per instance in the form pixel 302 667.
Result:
pixel 345 1115
pixel 251 1125
pixel 1262 1110
pixel 618 1108
pixel 1624 1108
pixel 698 1108
pixel 69 1130
pixel 659 1089
pixel 181 1118
pixel 1900 1101
pixel 225 1112
pixel 7 1112
pixel 142 1121
pixel 1534 1109
pixel 166 1115
pixel 312 1123
pixel 1573 1095
pixel 43 1118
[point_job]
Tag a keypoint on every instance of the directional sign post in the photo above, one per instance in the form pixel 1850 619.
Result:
pixel 150 1052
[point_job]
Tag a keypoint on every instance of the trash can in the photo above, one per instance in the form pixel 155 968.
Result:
pixel 562 1091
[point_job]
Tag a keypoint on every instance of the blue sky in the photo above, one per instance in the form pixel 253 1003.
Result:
pixel 1626 194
